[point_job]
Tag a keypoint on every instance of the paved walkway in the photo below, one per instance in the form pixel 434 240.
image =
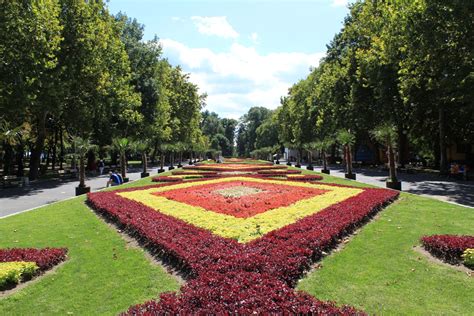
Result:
pixel 431 185
pixel 17 200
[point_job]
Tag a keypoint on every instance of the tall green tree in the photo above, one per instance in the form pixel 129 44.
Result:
pixel 30 39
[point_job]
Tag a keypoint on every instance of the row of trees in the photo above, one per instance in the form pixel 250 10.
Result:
pixel 70 69
pixel 220 132
pixel 398 74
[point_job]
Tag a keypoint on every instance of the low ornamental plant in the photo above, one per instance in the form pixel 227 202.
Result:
pixel 304 177
pixel 468 258
pixel 255 275
pixel 232 167
pixel 17 264
pixel 449 248
pixel 166 179
pixel 279 172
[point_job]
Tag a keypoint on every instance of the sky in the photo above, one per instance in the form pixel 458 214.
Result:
pixel 241 53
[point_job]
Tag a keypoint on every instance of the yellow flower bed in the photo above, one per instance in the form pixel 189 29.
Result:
pixel 13 272
pixel 242 229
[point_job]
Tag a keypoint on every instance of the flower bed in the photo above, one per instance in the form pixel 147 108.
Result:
pixel 194 172
pixel 449 248
pixel 278 172
pixel 166 179
pixel 243 264
pixel 19 264
pixel 233 167
pixel 304 177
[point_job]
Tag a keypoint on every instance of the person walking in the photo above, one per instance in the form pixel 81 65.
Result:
pixel 101 166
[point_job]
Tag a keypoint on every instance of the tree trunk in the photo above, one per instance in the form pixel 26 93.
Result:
pixel 349 159
pixel 153 153
pixel 333 153
pixel 48 157
pixel 325 161
pixel 404 152
pixel 144 158
pixel 19 159
pixel 8 159
pixel 123 166
pixel 443 165
pixel 61 153
pixel 55 140
pixel 37 148
pixel 82 172
pixel 310 158
pixel 391 163
pixel 162 160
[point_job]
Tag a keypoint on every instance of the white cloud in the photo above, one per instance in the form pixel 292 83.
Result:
pixel 176 19
pixel 240 77
pixel 340 3
pixel 214 25
pixel 254 37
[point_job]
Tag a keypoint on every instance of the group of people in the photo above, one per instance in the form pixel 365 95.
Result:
pixel 457 169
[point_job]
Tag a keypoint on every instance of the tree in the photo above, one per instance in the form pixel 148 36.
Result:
pixel 149 76
pixel 142 146
pixel 95 74
pixel 387 134
pixel 347 140
pixel 323 146
pixel 230 126
pixel 267 133
pixel 82 147
pixel 247 130
pixel 30 37
pixel 122 145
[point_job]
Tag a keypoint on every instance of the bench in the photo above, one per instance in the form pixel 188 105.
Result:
pixel 11 181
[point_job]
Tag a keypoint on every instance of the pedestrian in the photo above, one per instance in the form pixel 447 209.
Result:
pixel 114 179
pixel 101 166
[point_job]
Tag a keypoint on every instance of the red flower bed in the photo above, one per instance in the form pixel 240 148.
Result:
pixel 305 177
pixel 165 179
pixel 204 174
pixel 278 172
pixel 229 277
pixel 448 247
pixel 233 167
pixel 270 196
pixel 45 258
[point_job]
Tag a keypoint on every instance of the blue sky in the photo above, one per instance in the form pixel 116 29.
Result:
pixel 241 53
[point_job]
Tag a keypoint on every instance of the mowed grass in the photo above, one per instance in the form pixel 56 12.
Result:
pixel 103 275
pixel 379 271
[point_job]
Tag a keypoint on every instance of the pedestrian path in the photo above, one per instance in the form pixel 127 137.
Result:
pixel 430 185
pixel 17 200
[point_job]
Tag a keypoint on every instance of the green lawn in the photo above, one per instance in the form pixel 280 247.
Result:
pixel 102 275
pixel 378 271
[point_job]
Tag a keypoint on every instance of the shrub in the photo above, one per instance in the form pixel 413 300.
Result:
pixel 468 258
pixel 17 264
pixel 14 272
pixel 448 247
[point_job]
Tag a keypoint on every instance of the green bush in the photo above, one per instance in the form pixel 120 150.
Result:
pixel 468 258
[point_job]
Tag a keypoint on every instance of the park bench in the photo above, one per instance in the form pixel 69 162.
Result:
pixel 11 181
pixel 66 174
